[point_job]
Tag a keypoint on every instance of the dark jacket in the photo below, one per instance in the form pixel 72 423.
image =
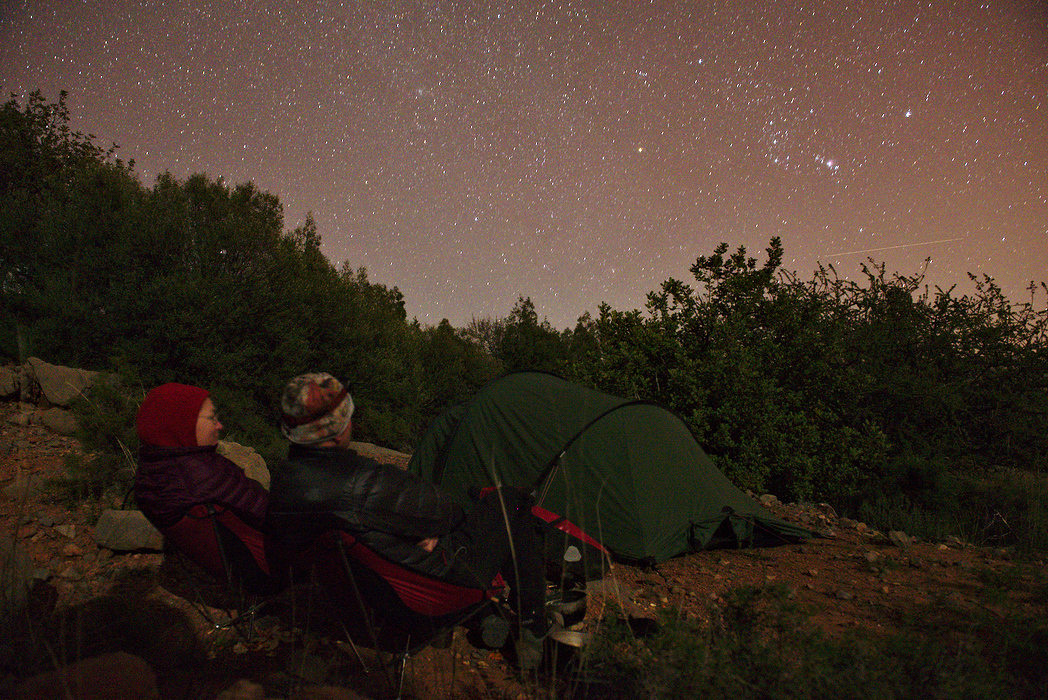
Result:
pixel 388 509
pixel 171 480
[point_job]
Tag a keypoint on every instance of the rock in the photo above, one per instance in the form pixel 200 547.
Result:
pixel 16 575
pixel 22 418
pixel 60 385
pixel 899 538
pixel 25 488
pixel 59 421
pixel 116 676
pixel 326 692
pixel 158 633
pixel 826 509
pixel 70 573
pixel 67 530
pixel 247 459
pixel 381 454
pixel 10 382
pixel 243 690
pixel 843 594
pixel 127 530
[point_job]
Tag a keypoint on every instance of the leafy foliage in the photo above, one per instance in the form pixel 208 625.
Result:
pixel 828 388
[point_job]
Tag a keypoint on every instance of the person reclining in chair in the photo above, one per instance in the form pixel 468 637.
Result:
pixel 326 485
pixel 179 468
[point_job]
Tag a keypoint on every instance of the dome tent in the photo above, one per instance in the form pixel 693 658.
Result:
pixel 629 473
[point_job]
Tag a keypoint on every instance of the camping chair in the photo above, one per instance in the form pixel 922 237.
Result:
pixel 414 608
pixel 400 610
pixel 230 550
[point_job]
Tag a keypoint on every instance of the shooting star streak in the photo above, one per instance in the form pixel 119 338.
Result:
pixel 893 247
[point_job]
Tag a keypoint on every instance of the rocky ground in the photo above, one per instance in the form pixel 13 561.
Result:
pixel 850 578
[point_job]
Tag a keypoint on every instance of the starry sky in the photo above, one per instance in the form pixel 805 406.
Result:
pixel 580 151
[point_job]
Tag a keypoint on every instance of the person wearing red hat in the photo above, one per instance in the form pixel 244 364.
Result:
pixel 178 463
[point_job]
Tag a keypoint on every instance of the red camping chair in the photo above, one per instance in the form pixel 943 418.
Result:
pixel 403 610
pixel 416 607
pixel 229 549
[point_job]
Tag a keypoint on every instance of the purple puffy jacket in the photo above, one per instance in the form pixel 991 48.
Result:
pixel 172 480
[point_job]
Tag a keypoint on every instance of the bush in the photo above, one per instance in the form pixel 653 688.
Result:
pixel 830 389
pixel 105 469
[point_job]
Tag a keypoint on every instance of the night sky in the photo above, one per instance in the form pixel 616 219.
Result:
pixel 579 152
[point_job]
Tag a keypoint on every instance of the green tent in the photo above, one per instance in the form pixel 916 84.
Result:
pixel 629 473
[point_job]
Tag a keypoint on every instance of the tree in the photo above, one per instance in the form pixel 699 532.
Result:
pixel 51 180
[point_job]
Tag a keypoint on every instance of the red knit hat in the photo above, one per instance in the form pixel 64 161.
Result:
pixel 168 416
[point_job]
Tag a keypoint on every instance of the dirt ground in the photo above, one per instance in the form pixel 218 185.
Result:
pixel 848 578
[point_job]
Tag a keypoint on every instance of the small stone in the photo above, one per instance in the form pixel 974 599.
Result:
pixel 827 509
pixel 67 530
pixel 243 690
pixel 22 419
pixel 70 573
pixel 71 550
pixel 900 538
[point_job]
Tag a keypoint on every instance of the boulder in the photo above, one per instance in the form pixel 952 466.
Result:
pixel 10 382
pixel 127 531
pixel 381 454
pixel 116 676
pixel 247 459
pixel 60 385
pixel 58 420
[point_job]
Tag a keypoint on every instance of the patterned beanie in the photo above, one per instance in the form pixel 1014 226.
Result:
pixel 314 407
pixel 168 415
